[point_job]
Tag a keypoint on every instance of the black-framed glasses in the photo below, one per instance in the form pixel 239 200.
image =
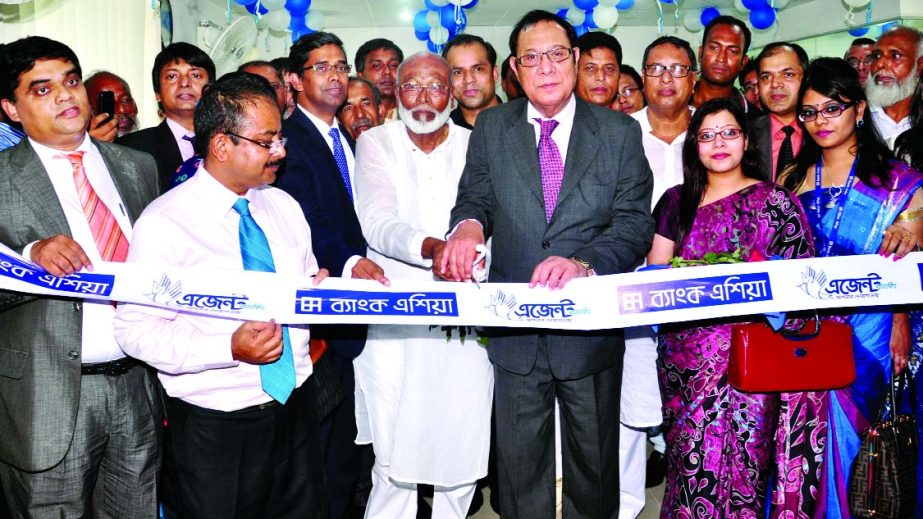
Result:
pixel 534 59
pixel 323 68
pixel 727 134
pixel 675 70
pixel 272 146
pixel 830 111
pixel 434 89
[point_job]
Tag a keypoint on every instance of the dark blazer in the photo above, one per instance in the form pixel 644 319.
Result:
pixel 310 174
pixel 40 355
pixel 602 216
pixel 761 138
pixel 160 143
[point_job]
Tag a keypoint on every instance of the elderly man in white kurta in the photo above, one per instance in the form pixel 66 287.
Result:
pixel 422 400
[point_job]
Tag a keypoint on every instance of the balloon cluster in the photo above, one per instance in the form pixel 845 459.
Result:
pixel 695 21
pixel 850 17
pixel 586 15
pixel 285 15
pixel 440 21
pixel 762 12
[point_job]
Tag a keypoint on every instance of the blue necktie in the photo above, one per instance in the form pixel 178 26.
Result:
pixel 278 377
pixel 340 156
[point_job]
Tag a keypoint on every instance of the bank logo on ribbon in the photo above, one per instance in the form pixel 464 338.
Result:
pixel 169 293
pixel 76 284
pixel 505 306
pixel 319 301
pixel 815 283
pixel 695 292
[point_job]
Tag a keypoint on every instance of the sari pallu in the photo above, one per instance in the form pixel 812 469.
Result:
pixel 819 432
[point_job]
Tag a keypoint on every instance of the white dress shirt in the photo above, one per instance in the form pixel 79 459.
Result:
pixel 97 341
pixel 666 160
pixel 186 149
pixel 195 225
pixel 887 128
pixel 561 134
pixel 412 383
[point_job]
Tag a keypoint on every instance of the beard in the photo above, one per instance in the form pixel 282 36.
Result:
pixel 423 127
pixel 888 95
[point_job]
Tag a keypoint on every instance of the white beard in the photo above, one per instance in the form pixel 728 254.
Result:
pixel 421 127
pixel 888 95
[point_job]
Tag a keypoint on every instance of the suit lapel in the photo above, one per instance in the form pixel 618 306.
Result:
pixel 33 182
pixel 522 134
pixel 169 143
pixel 581 150
pixel 125 177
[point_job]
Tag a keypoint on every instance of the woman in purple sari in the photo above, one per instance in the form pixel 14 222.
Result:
pixel 719 440
pixel 855 195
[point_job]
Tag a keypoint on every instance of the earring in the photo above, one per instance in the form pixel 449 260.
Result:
pixel 859 123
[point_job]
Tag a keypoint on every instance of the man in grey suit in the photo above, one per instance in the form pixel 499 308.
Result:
pixel 79 421
pixel 548 228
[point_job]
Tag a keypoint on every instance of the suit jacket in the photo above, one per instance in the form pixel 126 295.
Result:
pixel 761 138
pixel 40 355
pixel 602 216
pixel 160 143
pixel 310 174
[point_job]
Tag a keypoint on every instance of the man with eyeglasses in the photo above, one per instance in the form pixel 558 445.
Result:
pixel 241 408
pixel 267 71
pixel 319 173
pixel 895 73
pixel 377 61
pixel 564 194
pixel 778 134
pixel 412 381
pixel 474 76
pixel 859 57
pixel 598 68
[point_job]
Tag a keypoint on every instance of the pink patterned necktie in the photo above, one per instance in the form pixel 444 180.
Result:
pixel 112 244
pixel 549 160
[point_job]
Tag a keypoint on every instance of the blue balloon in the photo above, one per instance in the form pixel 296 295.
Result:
pixel 252 8
pixel 589 21
pixel 303 31
pixel 754 4
pixel 419 22
pixel 421 35
pixel 668 1
pixel 581 29
pixel 886 27
pixel 562 13
pixel 447 16
pixel 762 18
pixel 471 4
pixel 432 47
pixel 454 31
pixel 245 3
pixel 624 4
pixel 858 31
pixel 431 6
pixel 586 4
pixel 298 7
pixel 709 14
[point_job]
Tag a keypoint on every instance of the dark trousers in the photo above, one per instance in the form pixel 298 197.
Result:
pixel 342 457
pixel 250 463
pixel 524 406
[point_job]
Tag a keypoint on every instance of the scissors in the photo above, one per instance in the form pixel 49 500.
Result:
pixel 481 249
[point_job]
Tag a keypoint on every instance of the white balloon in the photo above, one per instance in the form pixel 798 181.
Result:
pixel 692 21
pixel 856 4
pixel 605 17
pixel 273 5
pixel 607 3
pixel 780 4
pixel 440 3
pixel 439 35
pixel 432 18
pixel 462 3
pixel 575 16
pixel 314 20
pixel 739 5
pixel 278 20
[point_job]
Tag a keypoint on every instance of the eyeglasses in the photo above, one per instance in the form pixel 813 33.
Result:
pixel 675 70
pixel 727 134
pixel 854 62
pixel 628 92
pixel 323 68
pixel 830 111
pixel 534 59
pixel 434 89
pixel 272 146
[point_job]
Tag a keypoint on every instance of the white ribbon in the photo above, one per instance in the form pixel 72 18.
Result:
pixel 616 301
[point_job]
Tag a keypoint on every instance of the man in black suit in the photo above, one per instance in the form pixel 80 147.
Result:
pixel 180 72
pixel 318 173
pixel 559 205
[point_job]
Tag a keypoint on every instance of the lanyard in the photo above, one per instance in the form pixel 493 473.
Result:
pixel 840 205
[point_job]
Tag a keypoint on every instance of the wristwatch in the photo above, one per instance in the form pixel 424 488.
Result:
pixel 585 264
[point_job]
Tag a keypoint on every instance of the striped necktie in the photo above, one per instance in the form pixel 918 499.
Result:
pixel 110 241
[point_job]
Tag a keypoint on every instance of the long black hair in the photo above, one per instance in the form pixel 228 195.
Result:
pixel 909 146
pixel 695 176
pixel 834 78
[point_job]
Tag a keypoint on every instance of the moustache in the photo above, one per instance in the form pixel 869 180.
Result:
pixel 363 121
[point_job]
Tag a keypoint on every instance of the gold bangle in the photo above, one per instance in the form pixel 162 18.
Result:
pixel 910 216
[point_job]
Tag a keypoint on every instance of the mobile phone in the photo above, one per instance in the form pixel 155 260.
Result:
pixel 106 105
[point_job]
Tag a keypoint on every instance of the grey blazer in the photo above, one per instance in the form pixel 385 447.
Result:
pixel 40 353
pixel 603 216
pixel 761 137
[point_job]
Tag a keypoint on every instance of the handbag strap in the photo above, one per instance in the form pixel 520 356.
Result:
pixel 900 384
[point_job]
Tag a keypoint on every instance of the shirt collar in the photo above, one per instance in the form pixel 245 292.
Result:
pixel 565 116
pixel 321 125
pixel 775 127
pixel 214 195
pixel 177 129
pixel 47 152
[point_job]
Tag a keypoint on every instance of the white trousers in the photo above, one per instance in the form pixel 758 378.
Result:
pixel 632 471
pixel 391 499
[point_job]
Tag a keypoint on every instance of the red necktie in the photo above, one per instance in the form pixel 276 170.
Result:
pixel 112 244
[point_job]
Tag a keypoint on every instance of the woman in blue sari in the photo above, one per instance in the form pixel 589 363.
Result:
pixel 852 191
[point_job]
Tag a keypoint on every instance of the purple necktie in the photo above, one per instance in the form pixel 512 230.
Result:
pixel 549 160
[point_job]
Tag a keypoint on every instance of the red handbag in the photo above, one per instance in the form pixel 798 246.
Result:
pixel 763 361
